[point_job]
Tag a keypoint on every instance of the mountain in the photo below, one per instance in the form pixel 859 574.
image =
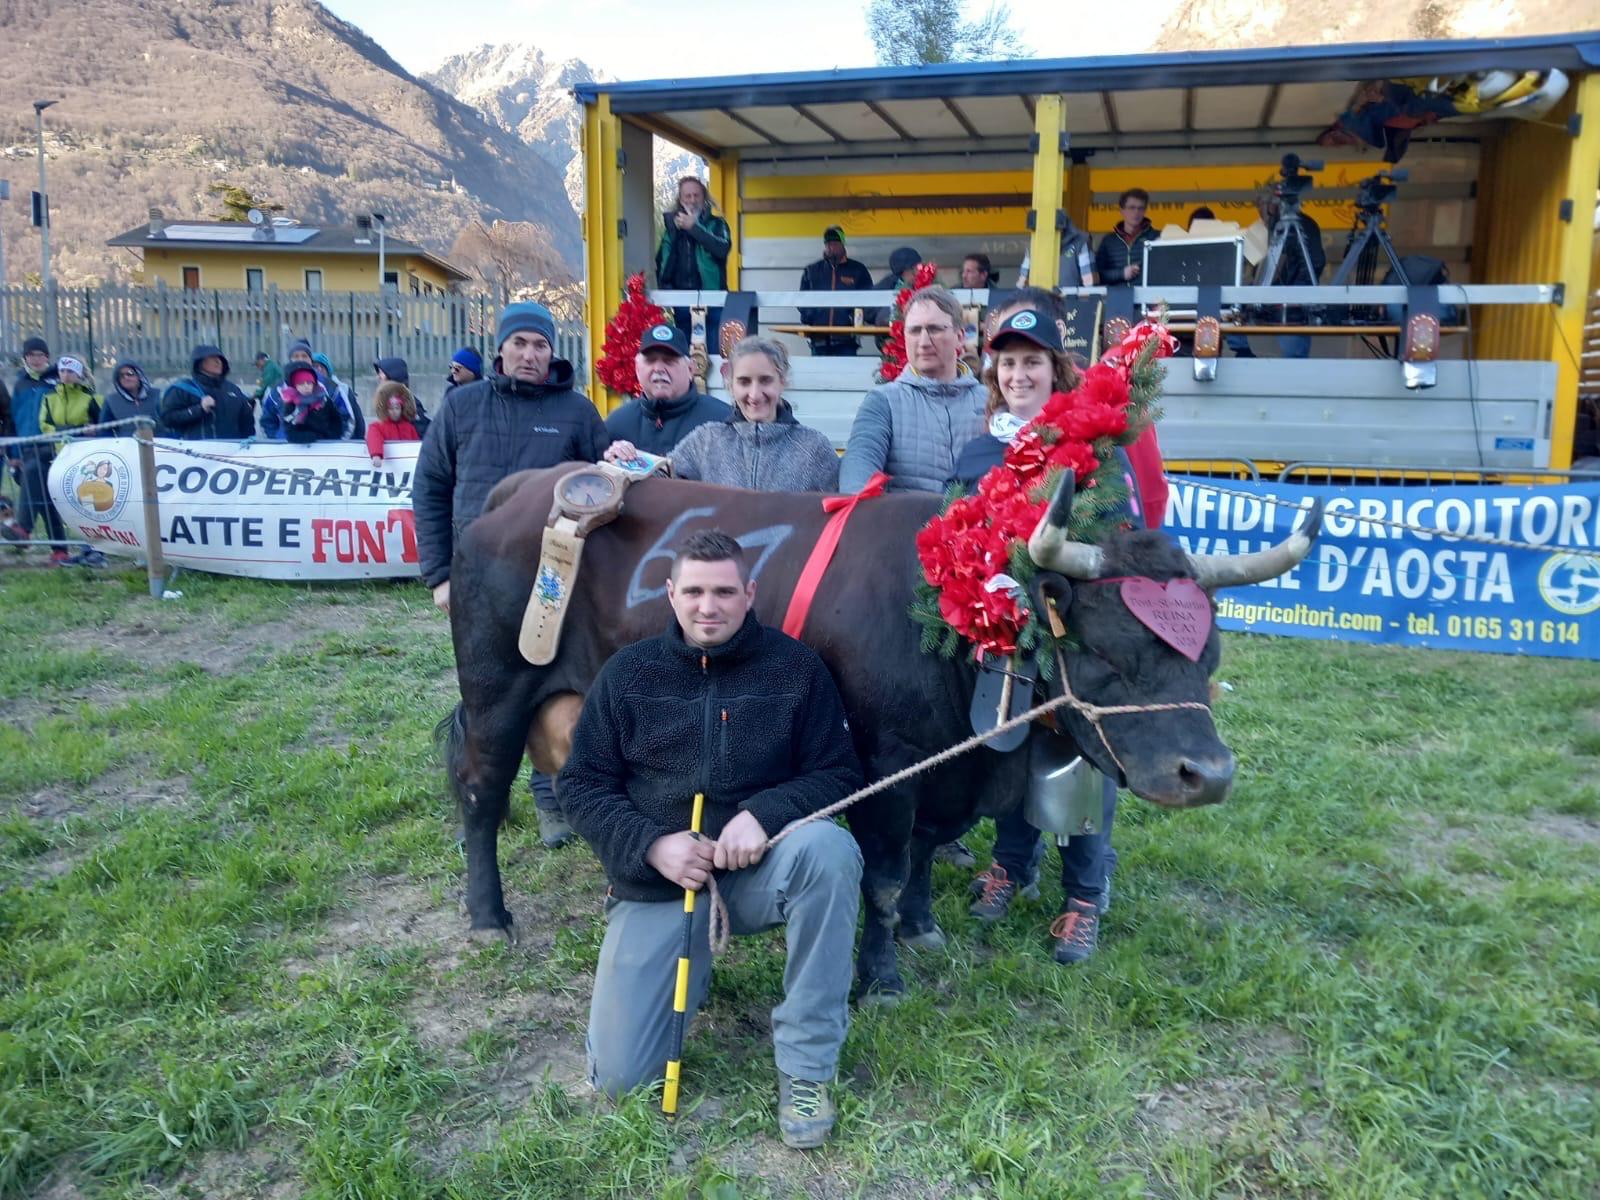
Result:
pixel 161 98
pixel 517 87
pixel 1229 24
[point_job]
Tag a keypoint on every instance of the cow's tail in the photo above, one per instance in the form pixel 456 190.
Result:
pixel 450 739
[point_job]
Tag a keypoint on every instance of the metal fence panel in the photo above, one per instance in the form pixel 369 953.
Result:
pixel 158 327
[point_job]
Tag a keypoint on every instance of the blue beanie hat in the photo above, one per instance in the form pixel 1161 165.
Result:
pixel 526 317
pixel 470 359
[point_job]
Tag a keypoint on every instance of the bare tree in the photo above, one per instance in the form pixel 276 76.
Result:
pixel 511 256
pixel 909 33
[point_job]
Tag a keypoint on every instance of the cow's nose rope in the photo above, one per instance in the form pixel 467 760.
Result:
pixel 1094 713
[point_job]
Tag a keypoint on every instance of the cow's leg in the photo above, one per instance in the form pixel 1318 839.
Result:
pixel 484 755
pixel 550 735
pixel 917 927
pixel 883 830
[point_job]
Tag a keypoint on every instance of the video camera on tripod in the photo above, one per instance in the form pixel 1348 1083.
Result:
pixel 1373 192
pixel 1294 182
pixel 1290 259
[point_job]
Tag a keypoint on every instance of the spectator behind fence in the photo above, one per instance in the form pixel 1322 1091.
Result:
pixel 1119 258
pixel 394 370
pixel 352 425
pixel 269 375
pixel 131 396
pixel 72 403
pixel 394 410
pixel 208 405
pixel 914 426
pixel 693 253
pixel 670 405
pixel 835 271
pixel 271 403
pixel 30 464
pixel 526 415
pixel 466 366
pixel 760 446
pixel 309 411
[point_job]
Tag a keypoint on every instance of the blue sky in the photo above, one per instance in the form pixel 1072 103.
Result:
pixel 630 39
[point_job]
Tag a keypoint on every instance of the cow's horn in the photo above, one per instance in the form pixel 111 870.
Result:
pixel 1052 549
pixel 1213 571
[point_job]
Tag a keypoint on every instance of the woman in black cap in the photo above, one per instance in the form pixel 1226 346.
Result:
pixel 1027 365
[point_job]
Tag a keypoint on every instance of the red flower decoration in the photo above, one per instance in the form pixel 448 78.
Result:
pixel 635 315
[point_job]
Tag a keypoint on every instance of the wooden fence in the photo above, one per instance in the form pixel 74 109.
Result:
pixel 158 326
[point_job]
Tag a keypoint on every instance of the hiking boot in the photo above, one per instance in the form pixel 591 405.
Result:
pixel 59 557
pixel 554 831
pixel 957 854
pixel 995 891
pixel 1077 932
pixel 805 1112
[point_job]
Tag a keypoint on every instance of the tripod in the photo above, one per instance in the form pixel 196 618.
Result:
pixel 1367 238
pixel 1288 237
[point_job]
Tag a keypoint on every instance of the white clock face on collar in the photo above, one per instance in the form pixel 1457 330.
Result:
pixel 588 491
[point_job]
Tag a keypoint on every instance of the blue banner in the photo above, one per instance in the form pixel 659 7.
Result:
pixel 1365 581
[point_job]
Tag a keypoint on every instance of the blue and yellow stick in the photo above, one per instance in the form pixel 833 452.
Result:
pixel 680 994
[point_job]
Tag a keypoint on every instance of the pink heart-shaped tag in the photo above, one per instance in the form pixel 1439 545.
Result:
pixel 1178 612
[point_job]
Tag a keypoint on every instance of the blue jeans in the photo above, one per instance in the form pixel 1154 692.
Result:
pixel 1087 860
pixel 1294 345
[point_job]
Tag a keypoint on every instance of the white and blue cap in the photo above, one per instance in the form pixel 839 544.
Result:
pixel 1030 325
pixel 664 337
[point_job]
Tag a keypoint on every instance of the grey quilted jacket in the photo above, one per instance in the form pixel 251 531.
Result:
pixel 777 456
pixel 912 428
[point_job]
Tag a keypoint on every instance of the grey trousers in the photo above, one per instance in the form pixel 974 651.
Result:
pixel 810 883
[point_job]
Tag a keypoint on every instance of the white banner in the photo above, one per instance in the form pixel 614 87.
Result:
pixel 271 511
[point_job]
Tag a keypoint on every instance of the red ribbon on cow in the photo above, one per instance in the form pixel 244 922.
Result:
pixel 805 589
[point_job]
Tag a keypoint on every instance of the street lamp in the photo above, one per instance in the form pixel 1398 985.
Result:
pixel 383 285
pixel 50 329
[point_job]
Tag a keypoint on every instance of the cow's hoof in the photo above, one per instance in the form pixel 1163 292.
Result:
pixel 489 936
pixel 928 939
pixel 881 996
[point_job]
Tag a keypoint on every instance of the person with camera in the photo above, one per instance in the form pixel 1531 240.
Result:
pixel 693 253
pixel 1301 258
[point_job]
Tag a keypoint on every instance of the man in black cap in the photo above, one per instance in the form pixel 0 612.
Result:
pixel 835 271
pixel 668 405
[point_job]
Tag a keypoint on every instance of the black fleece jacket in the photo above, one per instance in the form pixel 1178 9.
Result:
pixel 657 426
pixel 491 429
pixel 756 724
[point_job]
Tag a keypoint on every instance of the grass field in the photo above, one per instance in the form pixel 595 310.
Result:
pixel 232 962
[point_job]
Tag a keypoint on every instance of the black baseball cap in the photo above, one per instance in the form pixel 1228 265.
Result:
pixel 833 233
pixel 1030 325
pixel 665 337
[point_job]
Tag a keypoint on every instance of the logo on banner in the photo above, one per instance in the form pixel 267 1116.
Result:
pixel 99 487
pixel 1570 584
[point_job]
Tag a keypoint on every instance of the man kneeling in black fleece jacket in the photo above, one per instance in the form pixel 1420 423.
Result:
pixel 718 704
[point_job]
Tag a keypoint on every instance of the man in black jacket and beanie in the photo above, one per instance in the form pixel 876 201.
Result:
pixel 670 405
pixel 721 705
pixel 526 414
pixel 208 405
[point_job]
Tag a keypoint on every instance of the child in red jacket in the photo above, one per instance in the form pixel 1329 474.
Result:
pixel 395 414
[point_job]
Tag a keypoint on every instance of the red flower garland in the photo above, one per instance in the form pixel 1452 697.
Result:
pixel 967 547
pixel 894 350
pixel 635 315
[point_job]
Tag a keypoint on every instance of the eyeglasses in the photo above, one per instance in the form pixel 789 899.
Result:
pixel 928 330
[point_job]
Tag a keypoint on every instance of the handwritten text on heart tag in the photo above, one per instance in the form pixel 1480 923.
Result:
pixel 1178 612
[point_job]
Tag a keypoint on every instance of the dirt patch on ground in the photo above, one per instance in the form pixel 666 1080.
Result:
pixel 261 1171
pixel 105 696
pixel 215 642
pixel 124 788
pixel 1563 827
pixel 1432 845
pixel 1247 1099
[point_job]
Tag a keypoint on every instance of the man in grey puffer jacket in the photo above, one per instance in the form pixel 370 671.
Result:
pixel 914 427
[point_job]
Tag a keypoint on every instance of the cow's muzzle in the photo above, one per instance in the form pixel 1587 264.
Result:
pixel 1189 781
